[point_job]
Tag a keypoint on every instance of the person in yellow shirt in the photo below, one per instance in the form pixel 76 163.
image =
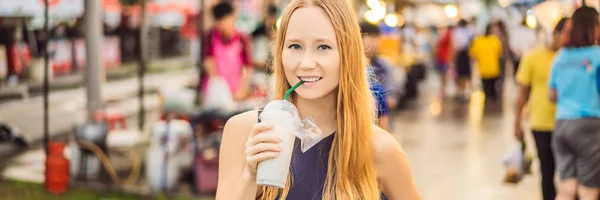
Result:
pixel 532 77
pixel 486 50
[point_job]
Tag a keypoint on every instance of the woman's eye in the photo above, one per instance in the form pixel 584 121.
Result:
pixel 295 47
pixel 324 47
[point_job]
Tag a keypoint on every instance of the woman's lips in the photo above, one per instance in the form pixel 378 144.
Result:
pixel 310 83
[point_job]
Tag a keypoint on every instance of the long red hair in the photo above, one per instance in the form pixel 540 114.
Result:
pixel 351 173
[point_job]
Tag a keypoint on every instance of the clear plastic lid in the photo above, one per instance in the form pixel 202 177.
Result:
pixel 283 105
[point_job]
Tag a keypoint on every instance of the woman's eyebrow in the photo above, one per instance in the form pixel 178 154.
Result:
pixel 293 40
pixel 322 40
pixel 317 40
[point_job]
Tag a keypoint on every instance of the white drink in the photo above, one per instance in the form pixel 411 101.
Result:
pixel 286 120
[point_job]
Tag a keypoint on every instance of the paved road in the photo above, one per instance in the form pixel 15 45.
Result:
pixel 456 151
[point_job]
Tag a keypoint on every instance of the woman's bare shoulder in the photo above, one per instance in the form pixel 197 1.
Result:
pixel 242 122
pixel 385 143
pixel 393 168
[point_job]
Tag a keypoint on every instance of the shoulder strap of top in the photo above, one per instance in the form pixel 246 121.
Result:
pixel 259 111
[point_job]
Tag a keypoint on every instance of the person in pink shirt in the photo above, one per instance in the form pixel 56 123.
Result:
pixel 227 53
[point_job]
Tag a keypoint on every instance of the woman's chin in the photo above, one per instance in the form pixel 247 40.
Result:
pixel 312 94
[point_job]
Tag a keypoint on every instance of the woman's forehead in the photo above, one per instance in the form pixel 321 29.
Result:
pixel 310 22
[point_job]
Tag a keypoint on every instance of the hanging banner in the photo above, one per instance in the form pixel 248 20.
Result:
pixel 62 54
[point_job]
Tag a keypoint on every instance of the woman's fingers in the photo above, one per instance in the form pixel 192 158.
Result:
pixel 259 128
pixel 261 157
pixel 260 147
pixel 263 147
pixel 263 138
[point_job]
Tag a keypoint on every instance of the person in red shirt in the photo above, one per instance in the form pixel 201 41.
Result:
pixel 442 57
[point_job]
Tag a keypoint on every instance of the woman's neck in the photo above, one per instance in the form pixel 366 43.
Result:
pixel 322 111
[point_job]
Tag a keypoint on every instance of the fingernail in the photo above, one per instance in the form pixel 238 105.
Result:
pixel 280 147
pixel 279 139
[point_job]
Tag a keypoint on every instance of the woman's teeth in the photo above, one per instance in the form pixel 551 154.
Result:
pixel 310 79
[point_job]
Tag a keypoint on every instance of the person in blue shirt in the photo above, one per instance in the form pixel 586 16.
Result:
pixel 382 109
pixel 381 80
pixel 574 87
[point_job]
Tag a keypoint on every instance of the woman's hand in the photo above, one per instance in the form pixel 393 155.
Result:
pixel 260 147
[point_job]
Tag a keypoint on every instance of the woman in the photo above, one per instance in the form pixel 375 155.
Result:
pixel 356 160
pixel 574 85
pixel 486 50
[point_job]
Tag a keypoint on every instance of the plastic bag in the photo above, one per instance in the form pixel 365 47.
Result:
pixel 217 95
pixel 517 163
pixel 284 113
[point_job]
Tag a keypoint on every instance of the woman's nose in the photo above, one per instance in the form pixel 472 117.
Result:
pixel 308 62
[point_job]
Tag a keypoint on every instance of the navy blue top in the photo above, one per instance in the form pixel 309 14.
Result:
pixel 308 180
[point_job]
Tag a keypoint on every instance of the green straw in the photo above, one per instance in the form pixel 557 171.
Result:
pixel 287 94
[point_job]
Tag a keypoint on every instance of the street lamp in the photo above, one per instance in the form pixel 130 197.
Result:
pixel 451 11
pixel 377 12
pixel 380 12
pixel 392 20
pixel 371 17
pixel 373 3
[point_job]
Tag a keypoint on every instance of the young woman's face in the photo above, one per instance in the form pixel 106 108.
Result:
pixel 310 53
